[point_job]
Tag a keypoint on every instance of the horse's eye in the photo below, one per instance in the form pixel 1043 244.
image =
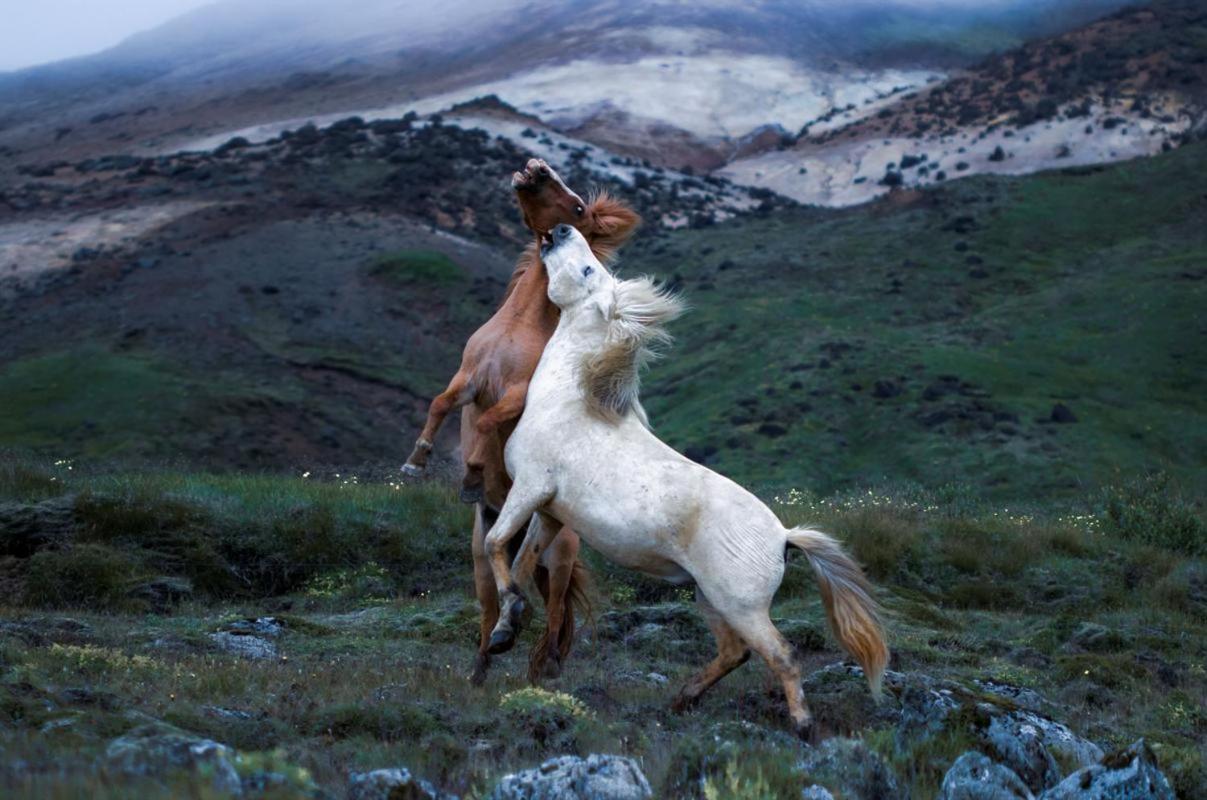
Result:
pixel 578 210
pixel 587 270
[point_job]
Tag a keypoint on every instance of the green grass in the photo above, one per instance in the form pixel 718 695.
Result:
pixel 372 585
pixel 1088 291
pixel 426 268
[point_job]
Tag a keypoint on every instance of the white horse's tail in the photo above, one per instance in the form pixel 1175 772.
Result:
pixel 854 614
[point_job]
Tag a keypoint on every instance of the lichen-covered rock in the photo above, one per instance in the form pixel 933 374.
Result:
pixel 974 777
pixel 596 777
pixel 1132 774
pixel 245 646
pixel 1061 741
pixel 157 750
pixel 1027 743
pixel 853 770
pixel 815 792
pixel 392 784
pixel 924 711
pixel 1019 744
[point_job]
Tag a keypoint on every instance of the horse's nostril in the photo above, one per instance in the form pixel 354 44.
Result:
pixel 561 232
pixel 544 170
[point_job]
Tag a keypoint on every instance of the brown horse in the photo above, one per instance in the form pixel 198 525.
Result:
pixel 492 385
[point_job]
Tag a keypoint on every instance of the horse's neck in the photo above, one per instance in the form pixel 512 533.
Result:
pixel 572 340
pixel 528 300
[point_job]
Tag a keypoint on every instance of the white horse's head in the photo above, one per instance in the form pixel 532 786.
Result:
pixel 632 315
pixel 577 278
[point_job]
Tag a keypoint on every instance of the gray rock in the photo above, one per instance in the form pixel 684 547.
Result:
pixel 1022 697
pixel 596 777
pixel 1132 773
pixel 158 750
pixel 392 784
pixel 815 792
pixel 924 713
pixel 974 777
pixel 855 771
pixel 268 627
pixel 1060 740
pixel 1020 745
pixel 246 646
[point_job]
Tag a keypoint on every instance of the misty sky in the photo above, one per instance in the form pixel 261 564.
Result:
pixel 38 31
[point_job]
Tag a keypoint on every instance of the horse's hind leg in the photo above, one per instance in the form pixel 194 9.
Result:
pixel 756 628
pixel 488 596
pixel 546 660
pixel 457 394
pixel 508 407
pixel 732 652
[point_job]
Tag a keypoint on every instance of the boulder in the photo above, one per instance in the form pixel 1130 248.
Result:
pixel 246 646
pixel 1019 744
pixel 155 751
pixel 596 777
pixel 974 777
pixel 1132 773
pixel 815 792
pixel 391 784
pixel 853 770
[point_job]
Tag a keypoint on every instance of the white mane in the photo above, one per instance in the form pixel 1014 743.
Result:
pixel 611 377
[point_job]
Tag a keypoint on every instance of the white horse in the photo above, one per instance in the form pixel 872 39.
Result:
pixel 581 455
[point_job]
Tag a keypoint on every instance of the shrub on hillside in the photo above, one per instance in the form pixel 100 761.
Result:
pixel 1154 511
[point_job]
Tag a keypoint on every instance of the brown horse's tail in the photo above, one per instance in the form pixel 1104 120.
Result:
pixel 854 614
pixel 577 596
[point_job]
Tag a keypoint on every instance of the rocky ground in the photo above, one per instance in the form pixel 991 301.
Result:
pixel 171 634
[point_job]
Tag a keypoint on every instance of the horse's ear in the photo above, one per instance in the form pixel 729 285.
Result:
pixel 611 223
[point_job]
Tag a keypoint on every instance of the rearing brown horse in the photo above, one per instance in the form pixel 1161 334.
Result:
pixel 492 385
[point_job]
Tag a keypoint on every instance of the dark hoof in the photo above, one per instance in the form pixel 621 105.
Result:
pixel 682 703
pixel 471 495
pixel 807 732
pixel 553 668
pixel 500 642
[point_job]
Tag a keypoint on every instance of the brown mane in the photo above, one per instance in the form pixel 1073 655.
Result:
pixel 611 377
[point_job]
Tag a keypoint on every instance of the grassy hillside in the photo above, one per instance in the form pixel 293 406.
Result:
pixel 1033 336
pixel 123 590
pixel 1029 337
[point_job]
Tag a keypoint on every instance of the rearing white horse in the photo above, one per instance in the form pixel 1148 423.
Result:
pixel 582 455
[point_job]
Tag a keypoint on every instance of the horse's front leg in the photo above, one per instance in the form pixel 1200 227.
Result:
pixel 522 502
pixel 457 394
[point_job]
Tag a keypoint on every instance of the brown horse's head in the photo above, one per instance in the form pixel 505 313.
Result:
pixel 545 199
pixel 546 202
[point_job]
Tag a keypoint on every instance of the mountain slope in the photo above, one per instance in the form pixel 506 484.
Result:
pixel 945 335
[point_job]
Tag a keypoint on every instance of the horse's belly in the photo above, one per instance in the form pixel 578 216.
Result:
pixel 634 535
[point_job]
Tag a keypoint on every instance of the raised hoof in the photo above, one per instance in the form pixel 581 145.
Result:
pixel 472 495
pixel 413 470
pixel 501 641
pixel 553 669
